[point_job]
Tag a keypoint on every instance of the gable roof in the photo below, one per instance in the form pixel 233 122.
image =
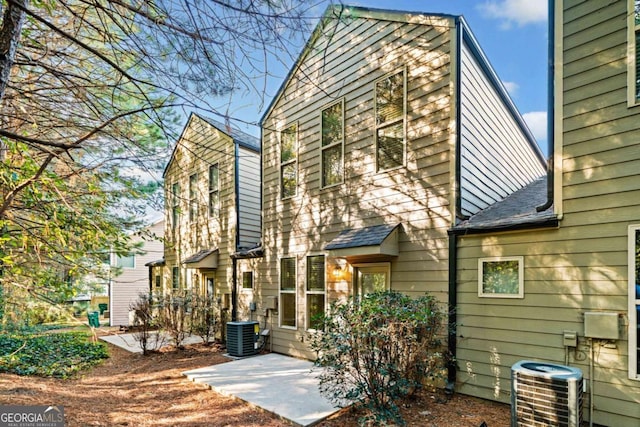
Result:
pixel 238 137
pixel 517 211
pixel 342 11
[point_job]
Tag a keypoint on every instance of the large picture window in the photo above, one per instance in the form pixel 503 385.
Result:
pixel 315 290
pixel 634 302
pixel 332 146
pixel 288 292
pixel 214 190
pixel 501 277
pixel 390 106
pixel 289 161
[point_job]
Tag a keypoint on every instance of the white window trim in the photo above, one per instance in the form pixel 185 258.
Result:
pixel 175 205
pixel 253 278
pixel 294 161
pixel 385 125
pixel 382 265
pixel 294 292
pixel 126 256
pixel 520 293
pixel 632 100
pixel 216 213
pixel 193 198
pixel 335 144
pixel 633 321
pixel 308 292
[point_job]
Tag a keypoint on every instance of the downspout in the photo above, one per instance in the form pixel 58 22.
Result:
pixel 453 302
pixel 234 260
pixel 550 108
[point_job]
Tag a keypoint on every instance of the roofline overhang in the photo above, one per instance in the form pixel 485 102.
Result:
pixel 546 223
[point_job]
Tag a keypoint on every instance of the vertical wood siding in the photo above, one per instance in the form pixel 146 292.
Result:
pixel 582 266
pixel 249 198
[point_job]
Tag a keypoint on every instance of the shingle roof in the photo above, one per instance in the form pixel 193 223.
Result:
pixel 199 256
pixel 156 263
pixel 240 137
pixel 516 210
pixel 367 236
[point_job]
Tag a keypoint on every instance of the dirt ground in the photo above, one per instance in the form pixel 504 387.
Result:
pixel 134 390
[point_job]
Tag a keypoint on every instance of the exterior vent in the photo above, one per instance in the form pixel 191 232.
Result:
pixel 242 338
pixel 544 394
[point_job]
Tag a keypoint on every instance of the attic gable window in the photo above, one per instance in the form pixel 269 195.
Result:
pixel 390 112
pixel 633 52
pixel 289 161
pixel 332 145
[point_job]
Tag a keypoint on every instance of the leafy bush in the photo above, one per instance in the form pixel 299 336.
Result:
pixel 204 320
pixel 145 323
pixel 173 315
pixel 51 355
pixel 378 349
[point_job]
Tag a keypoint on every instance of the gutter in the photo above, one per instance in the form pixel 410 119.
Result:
pixel 549 222
pixel 550 108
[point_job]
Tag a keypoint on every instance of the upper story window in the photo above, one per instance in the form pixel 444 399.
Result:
pixel 390 111
pixel 126 261
pixel 633 52
pixel 193 197
pixel 332 145
pixel 289 161
pixel 175 204
pixel 214 190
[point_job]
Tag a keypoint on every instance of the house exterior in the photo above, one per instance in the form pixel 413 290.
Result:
pixel 579 277
pixel 133 277
pixel 212 210
pixel 390 127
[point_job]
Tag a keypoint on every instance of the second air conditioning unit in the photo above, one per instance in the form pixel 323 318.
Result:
pixel 544 394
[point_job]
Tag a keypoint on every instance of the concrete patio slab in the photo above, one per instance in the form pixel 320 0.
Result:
pixel 280 384
pixel 129 343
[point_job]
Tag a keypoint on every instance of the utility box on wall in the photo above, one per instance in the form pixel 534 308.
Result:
pixel 602 325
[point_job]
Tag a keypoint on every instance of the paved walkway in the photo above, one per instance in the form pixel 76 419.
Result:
pixel 129 343
pixel 279 384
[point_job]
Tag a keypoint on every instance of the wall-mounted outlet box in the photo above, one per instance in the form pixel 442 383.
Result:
pixel 271 302
pixel 570 338
pixel 603 325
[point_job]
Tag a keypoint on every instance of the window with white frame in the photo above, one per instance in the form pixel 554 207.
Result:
pixel 633 52
pixel 287 292
pixel 126 261
pixel 390 112
pixel 332 145
pixel 315 290
pixel 175 277
pixel 214 190
pixel 193 197
pixel 634 301
pixel 247 280
pixel 289 161
pixel 158 281
pixel 175 204
pixel 501 277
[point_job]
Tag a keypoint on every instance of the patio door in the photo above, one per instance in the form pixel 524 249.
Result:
pixel 371 278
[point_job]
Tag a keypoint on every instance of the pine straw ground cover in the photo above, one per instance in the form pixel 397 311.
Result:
pixel 134 390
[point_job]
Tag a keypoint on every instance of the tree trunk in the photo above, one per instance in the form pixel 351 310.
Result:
pixel 9 37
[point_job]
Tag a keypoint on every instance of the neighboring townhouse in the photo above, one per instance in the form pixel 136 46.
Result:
pixel 212 208
pixel 389 126
pixel 133 274
pixel 543 266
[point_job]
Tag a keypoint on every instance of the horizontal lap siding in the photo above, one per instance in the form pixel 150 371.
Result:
pixel 249 198
pixel 417 195
pixel 496 156
pixel 583 265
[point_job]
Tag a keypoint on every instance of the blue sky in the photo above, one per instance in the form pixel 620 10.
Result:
pixel 512 33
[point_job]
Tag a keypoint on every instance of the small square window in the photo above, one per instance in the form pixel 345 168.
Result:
pixel 501 277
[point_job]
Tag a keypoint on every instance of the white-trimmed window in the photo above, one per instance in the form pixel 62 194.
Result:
pixel 287 306
pixel 390 112
pixel 634 301
pixel 633 52
pixel 214 190
pixel 501 277
pixel 289 161
pixel 247 280
pixel 372 277
pixel 175 204
pixel 316 286
pixel 332 145
pixel 193 197
pixel 175 278
pixel 126 261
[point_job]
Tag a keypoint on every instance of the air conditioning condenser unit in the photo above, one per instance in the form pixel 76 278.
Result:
pixel 545 394
pixel 242 338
